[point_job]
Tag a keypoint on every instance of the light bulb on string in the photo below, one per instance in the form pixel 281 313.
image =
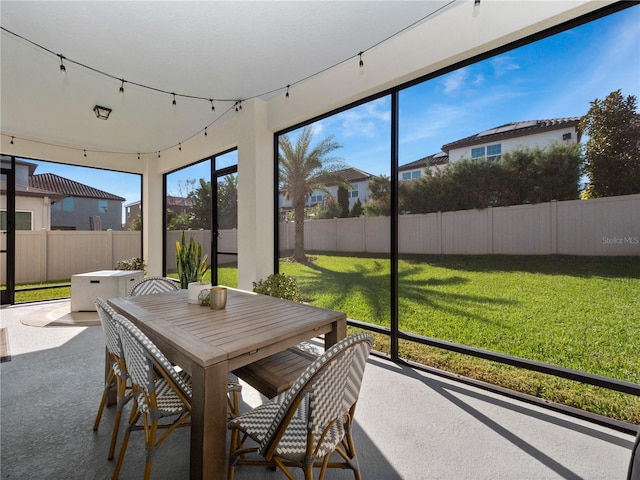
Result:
pixel 180 146
pixel 138 156
pixel 63 69
pixel 361 62
pixel 213 109
pixel 122 86
pixel 287 94
pixel 85 153
pixel 158 153
pixel 174 99
pixel 205 131
pixel 12 140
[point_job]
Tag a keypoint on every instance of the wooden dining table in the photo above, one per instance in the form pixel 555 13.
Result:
pixel 209 344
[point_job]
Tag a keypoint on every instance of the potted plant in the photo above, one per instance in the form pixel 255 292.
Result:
pixel 191 267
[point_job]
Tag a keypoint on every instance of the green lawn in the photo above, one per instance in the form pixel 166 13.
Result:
pixel 577 312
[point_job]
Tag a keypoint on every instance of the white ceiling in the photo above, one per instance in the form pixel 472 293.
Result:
pixel 213 49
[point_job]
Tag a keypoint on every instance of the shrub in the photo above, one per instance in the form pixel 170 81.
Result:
pixel 279 285
pixel 135 263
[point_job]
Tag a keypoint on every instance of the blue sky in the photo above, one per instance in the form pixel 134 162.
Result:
pixel 554 77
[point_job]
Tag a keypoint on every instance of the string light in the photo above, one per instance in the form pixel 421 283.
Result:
pixel 85 153
pixel 205 131
pixel 63 69
pixel 180 146
pixel 476 8
pixel 237 103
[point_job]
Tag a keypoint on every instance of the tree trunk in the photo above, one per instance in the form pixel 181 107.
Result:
pixel 298 249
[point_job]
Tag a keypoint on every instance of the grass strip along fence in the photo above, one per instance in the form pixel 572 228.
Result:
pixel 581 313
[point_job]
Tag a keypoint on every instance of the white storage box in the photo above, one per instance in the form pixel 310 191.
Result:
pixel 86 287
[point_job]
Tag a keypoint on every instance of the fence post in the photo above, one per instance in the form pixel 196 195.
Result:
pixel 111 249
pixel 490 230
pixel 44 252
pixel 554 227
pixel 440 233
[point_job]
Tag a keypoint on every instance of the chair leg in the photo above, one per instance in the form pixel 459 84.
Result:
pixel 133 418
pixel 150 439
pixel 103 401
pixel 122 400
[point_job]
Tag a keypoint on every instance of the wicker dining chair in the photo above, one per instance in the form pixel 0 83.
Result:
pixel 117 374
pixel 159 391
pixel 154 285
pixel 305 425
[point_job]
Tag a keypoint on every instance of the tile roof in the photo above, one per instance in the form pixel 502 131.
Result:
pixel 353 174
pixel 513 129
pixel 69 188
pixel 24 191
pixel 179 201
pixel 439 158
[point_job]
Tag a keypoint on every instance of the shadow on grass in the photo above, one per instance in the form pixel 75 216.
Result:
pixel 373 286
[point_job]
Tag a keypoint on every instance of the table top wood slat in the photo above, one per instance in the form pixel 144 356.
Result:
pixel 248 323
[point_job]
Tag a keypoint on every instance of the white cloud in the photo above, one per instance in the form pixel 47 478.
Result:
pixel 366 120
pixel 453 81
pixel 503 64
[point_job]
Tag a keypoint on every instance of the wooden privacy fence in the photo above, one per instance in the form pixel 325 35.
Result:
pixel 604 226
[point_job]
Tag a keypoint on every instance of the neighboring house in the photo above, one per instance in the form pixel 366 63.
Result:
pixel 33 204
pixel 82 207
pixel 177 205
pixel 493 143
pixel 417 168
pixel 359 189
pixel 131 212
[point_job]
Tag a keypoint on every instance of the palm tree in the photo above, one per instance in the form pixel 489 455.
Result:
pixel 302 170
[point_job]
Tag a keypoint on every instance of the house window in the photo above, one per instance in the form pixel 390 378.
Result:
pixel 354 191
pixel 477 153
pixel 494 152
pixel 406 175
pixel 23 220
pixel 416 174
pixel 566 136
pixel 490 152
pixel 102 206
pixel 317 197
pixel 66 205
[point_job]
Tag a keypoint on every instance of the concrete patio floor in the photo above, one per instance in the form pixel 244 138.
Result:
pixel 409 424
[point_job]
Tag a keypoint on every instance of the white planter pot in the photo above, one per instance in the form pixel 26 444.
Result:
pixel 194 290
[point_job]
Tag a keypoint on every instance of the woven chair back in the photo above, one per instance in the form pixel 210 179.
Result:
pixel 324 391
pixel 110 327
pixel 144 360
pixel 153 285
